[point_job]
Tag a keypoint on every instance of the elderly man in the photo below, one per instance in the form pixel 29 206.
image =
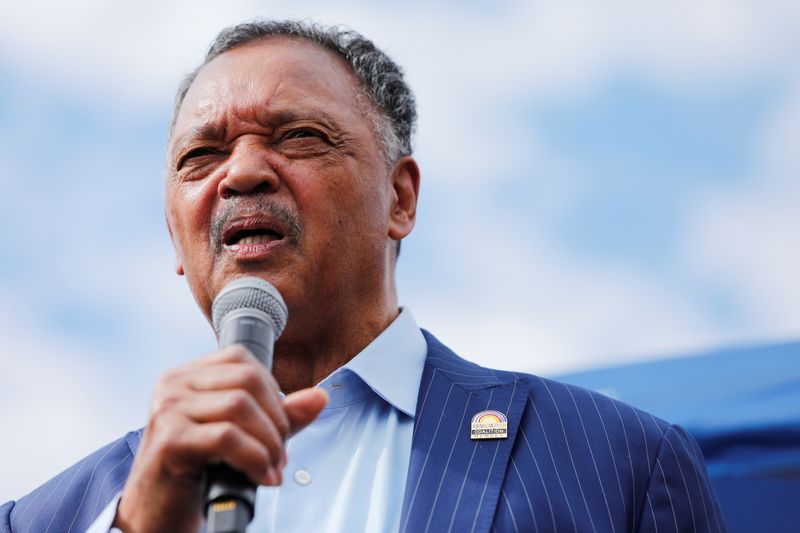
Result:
pixel 290 160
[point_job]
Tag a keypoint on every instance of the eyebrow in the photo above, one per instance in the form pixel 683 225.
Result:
pixel 206 131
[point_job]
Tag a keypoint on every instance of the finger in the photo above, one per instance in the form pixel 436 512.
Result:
pixel 225 442
pixel 303 406
pixel 233 368
pixel 181 449
pixel 253 378
pixel 179 377
pixel 239 407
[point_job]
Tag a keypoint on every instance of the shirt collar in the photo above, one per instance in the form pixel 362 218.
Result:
pixel 391 366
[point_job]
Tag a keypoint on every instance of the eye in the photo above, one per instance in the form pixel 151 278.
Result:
pixel 303 142
pixel 194 154
pixel 301 133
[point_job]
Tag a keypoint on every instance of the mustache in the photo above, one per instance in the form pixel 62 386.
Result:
pixel 250 205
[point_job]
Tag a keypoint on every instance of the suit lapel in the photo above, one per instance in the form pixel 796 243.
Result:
pixel 453 481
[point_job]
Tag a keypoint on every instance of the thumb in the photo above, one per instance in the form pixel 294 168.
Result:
pixel 303 406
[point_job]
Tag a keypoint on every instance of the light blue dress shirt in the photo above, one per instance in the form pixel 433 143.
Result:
pixel 347 470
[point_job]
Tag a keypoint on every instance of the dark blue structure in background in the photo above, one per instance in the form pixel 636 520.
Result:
pixel 743 407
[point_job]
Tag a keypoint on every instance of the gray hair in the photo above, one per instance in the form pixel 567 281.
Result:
pixel 393 114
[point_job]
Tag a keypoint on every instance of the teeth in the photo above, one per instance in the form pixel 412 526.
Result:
pixel 257 239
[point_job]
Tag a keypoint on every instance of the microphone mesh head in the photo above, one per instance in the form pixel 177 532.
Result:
pixel 250 293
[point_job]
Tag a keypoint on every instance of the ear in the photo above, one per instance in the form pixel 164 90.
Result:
pixel 178 262
pixel 405 192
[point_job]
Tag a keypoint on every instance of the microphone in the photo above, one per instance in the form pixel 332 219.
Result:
pixel 248 311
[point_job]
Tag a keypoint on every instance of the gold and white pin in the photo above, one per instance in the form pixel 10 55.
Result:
pixel 489 425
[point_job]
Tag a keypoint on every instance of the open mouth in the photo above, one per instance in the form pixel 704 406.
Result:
pixel 251 231
pixel 254 237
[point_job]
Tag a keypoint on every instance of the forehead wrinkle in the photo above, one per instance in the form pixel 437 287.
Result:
pixel 279 107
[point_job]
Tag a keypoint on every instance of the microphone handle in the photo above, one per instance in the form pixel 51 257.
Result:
pixel 230 500
pixel 230 495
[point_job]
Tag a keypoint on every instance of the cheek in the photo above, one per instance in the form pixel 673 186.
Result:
pixel 359 191
pixel 338 210
pixel 189 206
pixel 196 200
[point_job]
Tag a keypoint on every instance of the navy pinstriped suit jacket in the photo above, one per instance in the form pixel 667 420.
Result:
pixel 574 460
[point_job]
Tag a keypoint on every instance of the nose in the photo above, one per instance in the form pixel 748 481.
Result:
pixel 249 171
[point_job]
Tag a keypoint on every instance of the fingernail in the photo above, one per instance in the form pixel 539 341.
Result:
pixel 273 477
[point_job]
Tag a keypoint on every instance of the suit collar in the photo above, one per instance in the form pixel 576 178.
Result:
pixel 453 481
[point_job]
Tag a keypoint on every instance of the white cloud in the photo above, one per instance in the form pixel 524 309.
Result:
pixel 745 239
pixel 550 47
pixel 518 302
pixel 58 407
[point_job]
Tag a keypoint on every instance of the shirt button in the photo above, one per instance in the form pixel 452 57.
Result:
pixel 302 477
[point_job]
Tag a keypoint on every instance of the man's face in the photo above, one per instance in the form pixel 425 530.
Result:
pixel 274 170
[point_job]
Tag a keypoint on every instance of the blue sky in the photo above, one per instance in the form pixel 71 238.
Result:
pixel 601 184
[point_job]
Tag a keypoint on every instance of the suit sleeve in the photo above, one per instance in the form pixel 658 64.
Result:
pixel 72 500
pixel 679 497
pixel 5 517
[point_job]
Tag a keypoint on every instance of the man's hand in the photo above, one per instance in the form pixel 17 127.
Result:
pixel 224 408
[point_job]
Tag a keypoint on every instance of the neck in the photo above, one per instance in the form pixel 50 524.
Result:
pixel 303 360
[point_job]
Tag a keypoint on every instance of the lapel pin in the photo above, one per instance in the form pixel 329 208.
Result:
pixel 489 425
